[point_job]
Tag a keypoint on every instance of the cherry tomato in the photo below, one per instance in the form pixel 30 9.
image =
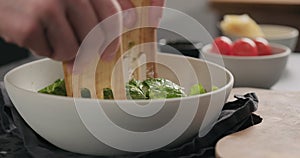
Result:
pixel 244 47
pixel 263 46
pixel 222 45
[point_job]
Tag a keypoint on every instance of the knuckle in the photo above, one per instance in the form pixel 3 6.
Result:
pixel 79 5
pixel 46 9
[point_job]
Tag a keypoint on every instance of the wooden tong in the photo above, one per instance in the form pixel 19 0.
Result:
pixel 144 39
pixel 135 43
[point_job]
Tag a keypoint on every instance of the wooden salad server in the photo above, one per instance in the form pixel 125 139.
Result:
pixel 141 41
pixel 136 43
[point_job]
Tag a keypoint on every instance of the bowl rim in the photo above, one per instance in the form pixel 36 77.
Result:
pixel 228 84
pixel 293 32
pixel 286 52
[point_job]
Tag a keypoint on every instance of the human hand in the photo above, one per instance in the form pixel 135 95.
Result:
pixel 54 28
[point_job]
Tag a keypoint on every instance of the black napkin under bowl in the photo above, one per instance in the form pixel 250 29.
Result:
pixel 18 140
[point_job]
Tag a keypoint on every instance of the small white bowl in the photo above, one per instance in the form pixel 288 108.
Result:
pixel 252 71
pixel 60 119
pixel 280 34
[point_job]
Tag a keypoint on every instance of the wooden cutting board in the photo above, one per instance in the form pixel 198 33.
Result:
pixel 278 136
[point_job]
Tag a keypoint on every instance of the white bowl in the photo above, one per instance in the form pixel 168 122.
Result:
pixel 280 34
pixel 252 71
pixel 58 120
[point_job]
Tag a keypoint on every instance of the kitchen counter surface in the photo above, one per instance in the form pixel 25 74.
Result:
pixel 290 79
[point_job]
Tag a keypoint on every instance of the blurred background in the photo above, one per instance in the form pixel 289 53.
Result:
pixel 207 12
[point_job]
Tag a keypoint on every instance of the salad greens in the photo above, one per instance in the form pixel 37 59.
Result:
pixel 56 88
pixel 108 93
pixel 199 89
pixel 135 90
pixel 152 88
pixel 85 93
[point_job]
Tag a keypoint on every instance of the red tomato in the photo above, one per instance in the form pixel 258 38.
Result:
pixel 263 46
pixel 222 45
pixel 244 47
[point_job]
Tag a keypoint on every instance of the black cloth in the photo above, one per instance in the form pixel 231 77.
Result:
pixel 11 52
pixel 18 140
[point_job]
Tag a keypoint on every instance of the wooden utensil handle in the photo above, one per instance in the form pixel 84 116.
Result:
pixel 144 37
pixel 68 79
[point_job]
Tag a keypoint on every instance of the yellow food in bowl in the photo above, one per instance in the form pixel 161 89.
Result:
pixel 240 26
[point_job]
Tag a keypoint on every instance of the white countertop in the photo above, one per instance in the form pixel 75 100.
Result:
pixel 290 79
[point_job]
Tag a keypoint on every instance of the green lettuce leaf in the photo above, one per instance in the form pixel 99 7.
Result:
pixel 197 89
pixel 153 88
pixel 56 88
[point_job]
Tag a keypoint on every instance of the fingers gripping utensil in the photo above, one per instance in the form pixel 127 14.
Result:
pixel 135 43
